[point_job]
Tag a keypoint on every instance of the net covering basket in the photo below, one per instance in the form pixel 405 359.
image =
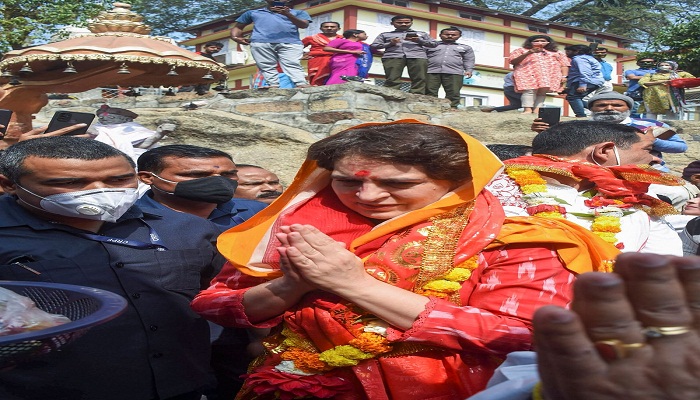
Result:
pixel 85 307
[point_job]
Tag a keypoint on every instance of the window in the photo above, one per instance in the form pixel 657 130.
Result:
pixel 317 2
pixel 540 29
pixel 473 101
pixel 473 17
pixel 396 3
pixel 593 39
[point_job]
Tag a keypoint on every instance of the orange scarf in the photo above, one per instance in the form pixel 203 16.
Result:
pixel 250 247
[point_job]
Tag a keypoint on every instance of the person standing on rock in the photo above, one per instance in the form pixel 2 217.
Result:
pixel 275 40
pixel 208 51
pixel 403 48
pixel 318 59
pixel 448 63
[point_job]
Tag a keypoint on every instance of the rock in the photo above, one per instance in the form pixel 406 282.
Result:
pixel 273 128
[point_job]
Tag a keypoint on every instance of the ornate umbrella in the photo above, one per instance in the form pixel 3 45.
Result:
pixel 118 51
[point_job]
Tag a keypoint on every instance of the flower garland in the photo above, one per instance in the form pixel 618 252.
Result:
pixel 529 181
pixel 451 282
pixel 606 212
pixel 299 361
pixel 300 357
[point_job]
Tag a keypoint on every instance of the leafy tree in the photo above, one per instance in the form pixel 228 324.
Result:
pixel 637 19
pixel 24 21
pixel 168 16
pixel 681 43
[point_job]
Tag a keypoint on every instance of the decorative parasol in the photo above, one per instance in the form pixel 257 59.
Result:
pixel 119 51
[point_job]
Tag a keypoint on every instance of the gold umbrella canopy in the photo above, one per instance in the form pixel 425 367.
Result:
pixel 117 52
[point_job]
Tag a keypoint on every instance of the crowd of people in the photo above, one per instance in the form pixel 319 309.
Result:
pixel 406 260
pixel 332 59
pixel 539 67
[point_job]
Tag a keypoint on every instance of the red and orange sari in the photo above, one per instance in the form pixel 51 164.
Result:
pixel 484 274
pixel 319 65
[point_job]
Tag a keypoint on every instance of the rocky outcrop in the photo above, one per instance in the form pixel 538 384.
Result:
pixel 274 127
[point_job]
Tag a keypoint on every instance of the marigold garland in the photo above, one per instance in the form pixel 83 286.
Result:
pixel 344 356
pixel 367 345
pixel 458 275
pixel 606 224
pixel 451 282
pixel 304 360
pixel 606 211
pixel 371 343
pixel 529 181
pixel 442 285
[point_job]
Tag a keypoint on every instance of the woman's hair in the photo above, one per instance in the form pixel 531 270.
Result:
pixel 438 151
pixel 351 32
pixel 551 46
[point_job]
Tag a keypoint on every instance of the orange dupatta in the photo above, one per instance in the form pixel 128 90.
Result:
pixel 248 246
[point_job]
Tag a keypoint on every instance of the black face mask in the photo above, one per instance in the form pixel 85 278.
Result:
pixel 212 189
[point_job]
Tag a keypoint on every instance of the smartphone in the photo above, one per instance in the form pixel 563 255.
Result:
pixel 5 116
pixel 550 115
pixel 62 119
pixel 279 3
pixel 411 34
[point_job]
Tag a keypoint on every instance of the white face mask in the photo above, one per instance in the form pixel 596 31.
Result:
pixel 617 157
pixel 96 204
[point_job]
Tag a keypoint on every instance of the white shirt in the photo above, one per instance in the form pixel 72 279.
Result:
pixel 638 231
pixel 124 137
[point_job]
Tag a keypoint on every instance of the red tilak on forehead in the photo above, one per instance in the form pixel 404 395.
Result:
pixel 362 172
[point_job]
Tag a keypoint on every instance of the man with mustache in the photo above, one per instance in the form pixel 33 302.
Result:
pixel 68 216
pixel 194 180
pixel 201 181
pixel 597 175
pixel 257 183
pixel 616 108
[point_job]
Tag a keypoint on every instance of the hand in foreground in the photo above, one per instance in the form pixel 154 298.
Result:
pixel 538 125
pixel 630 335
pixel 318 259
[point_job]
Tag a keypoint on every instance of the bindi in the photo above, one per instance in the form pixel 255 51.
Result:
pixel 362 173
